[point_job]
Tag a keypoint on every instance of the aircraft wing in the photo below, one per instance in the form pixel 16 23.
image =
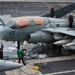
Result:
pixel 63 30
pixel 61 12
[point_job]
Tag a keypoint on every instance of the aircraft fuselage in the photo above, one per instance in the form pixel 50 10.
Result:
pixel 33 25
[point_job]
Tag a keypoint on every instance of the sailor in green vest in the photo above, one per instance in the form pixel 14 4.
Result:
pixel 21 56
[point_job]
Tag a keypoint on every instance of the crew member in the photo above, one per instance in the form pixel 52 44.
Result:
pixel 71 21
pixel 1 51
pixel 52 12
pixel 21 56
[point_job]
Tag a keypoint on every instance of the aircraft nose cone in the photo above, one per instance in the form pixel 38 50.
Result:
pixel 9 65
pixel 12 65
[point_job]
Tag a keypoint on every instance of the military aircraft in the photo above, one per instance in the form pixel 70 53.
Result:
pixel 8 65
pixel 29 28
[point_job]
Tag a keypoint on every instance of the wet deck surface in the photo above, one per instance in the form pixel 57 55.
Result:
pixel 55 66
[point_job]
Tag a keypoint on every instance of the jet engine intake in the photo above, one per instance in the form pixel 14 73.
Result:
pixel 41 37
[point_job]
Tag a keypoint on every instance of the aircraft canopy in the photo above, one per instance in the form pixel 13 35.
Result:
pixel 25 21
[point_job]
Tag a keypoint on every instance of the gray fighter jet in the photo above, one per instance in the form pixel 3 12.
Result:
pixel 30 28
pixel 8 65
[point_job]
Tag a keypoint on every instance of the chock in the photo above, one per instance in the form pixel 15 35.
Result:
pixel 36 67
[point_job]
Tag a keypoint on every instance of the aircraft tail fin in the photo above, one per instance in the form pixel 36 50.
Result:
pixel 61 12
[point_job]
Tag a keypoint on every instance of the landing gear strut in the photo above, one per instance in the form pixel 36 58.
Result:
pixel 18 44
pixel 59 50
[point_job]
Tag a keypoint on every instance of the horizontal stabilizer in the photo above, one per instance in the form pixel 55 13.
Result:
pixel 63 11
pixel 8 65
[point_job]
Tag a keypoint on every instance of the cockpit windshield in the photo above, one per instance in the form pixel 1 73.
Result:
pixel 39 21
pixel 12 24
pixel 22 22
pixel 18 23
